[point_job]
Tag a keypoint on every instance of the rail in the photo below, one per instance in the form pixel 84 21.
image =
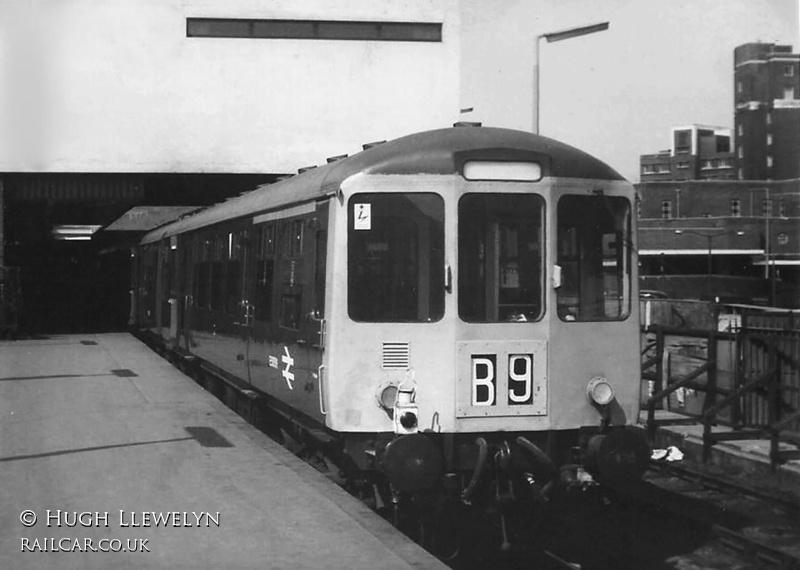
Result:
pixel 760 397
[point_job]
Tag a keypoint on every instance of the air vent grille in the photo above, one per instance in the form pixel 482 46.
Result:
pixel 395 355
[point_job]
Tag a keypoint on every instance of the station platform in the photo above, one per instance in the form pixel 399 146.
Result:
pixel 111 457
pixel 745 461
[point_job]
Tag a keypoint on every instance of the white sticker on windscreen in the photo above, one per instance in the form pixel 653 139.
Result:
pixel 362 217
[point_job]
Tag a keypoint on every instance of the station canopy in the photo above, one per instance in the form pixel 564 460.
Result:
pixel 146 218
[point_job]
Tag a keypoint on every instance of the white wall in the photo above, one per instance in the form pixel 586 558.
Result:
pixel 116 86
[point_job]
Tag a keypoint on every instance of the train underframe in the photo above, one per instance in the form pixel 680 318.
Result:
pixel 425 483
pixel 511 476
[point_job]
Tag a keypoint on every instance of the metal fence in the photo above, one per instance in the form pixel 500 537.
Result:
pixel 737 366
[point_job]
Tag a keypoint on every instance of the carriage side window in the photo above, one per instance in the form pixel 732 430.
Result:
pixel 291 273
pixel 292 238
pixel 148 283
pixel 233 272
pixel 218 247
pixel 594 254
pixel 265 272
pixel 500 257
pixel 395 256
pixel 202 273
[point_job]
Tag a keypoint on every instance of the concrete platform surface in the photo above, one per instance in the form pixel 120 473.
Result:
pixel 111 458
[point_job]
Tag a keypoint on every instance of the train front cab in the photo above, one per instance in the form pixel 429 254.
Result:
pixel 493 306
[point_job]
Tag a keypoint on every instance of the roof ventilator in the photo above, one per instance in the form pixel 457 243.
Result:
pixel 370 145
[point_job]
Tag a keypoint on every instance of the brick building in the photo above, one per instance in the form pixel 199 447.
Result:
pixel 736 240
pixel 767 111
pixel 722 220
pixel 697 152
pixel 766 124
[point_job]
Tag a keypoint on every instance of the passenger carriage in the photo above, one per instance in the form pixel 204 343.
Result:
pixel 436 308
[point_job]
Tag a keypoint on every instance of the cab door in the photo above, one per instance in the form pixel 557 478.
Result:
pixel 501 345
pixel 246 292
pixel 595 332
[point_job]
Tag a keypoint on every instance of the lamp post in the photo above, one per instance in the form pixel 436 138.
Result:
pixel 770 252
pixel 710 238
pixel 555 37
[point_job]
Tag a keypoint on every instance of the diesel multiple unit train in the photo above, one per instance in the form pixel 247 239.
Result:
pixel 454 310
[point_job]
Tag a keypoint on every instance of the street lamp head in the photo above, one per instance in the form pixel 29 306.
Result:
pixel 575 32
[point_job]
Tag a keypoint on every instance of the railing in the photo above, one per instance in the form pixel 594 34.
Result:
pixel 761 395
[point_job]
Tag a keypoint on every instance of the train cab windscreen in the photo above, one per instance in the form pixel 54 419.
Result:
pixel 500 274
pixel 395 257
pixel 594 257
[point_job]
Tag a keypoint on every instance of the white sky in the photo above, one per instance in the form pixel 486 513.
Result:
pixel 617 93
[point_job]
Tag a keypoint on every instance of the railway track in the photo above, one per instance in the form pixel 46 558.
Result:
pixel 676 518
pixel 743 517
pixel 747 527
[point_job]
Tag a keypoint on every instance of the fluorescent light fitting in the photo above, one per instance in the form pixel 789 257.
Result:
pixel 73 238
pixel 74 231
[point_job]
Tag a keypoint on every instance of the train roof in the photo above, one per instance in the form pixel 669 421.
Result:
pixel 441 151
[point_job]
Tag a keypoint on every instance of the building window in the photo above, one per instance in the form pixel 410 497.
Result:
pixel 741 151
pixel 788 70
pixel 736 208
pixel 666 209
pixel 766 207
pixel 769 139
pixel 769 161
pixel 648 169
pixel 740 174
pixel 313 30
pixel 739 87
pixel 782 209
pixel 662 168
pixel 769 118
pixel 788 93
pixel 683 165
pixel 724 163
pixel 740 130
pixel 683 142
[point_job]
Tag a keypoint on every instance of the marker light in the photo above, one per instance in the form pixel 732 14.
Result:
pixel 408 420
pixel 600 391
pixel 406 411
